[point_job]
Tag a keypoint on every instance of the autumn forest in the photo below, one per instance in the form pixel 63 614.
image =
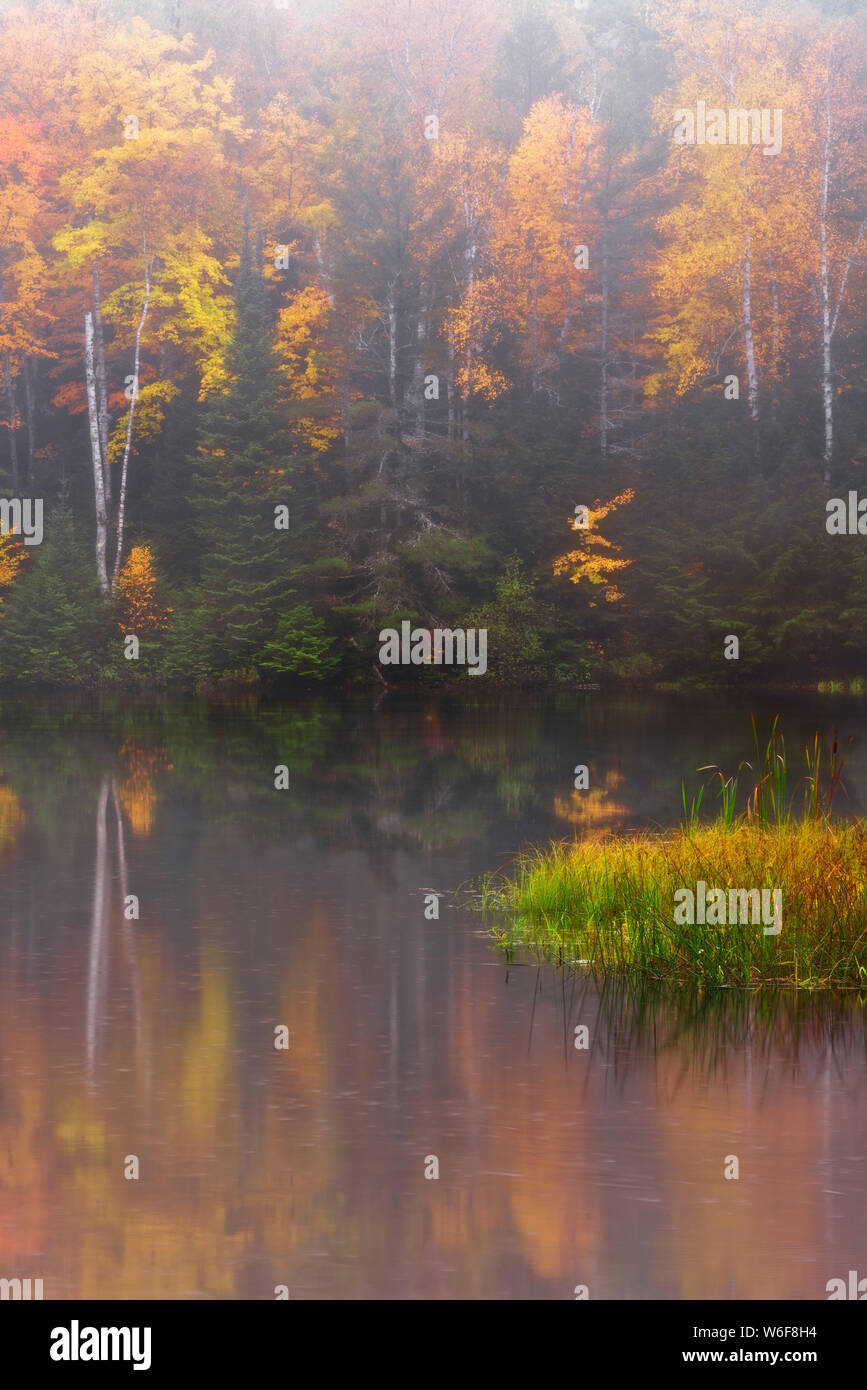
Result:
pixel 318 317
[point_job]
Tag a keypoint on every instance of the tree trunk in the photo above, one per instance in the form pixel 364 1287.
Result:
pixel 345 416
pixel 827 367
pixel 391 309
pixel 830 314
pixel 324 274
pixel 535 353
pixel 98 961
pixel 825 291
pixel 96 458
pixel 450 389
pixel 10 406
pixel 776 317
pixel 128 936
pixel 10 416
pixel 603 350
pixel 101 380
pixel 749 340
pixel 418 368
pixel 121 502
pixel 29 373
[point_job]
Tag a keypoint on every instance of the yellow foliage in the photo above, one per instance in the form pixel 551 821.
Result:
pixel 12 556
pixel 587 562
pixel 11 816
pixel 138 790
pixel 311 363
pixel 150 414
pixel 141 612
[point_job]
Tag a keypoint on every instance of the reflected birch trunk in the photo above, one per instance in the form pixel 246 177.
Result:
pixel 142 1051
pixel 98 963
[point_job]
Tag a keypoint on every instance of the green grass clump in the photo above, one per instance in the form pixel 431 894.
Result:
pixel 610 903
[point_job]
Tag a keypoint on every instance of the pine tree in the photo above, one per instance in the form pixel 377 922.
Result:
pixel 54 630
pixel 238 483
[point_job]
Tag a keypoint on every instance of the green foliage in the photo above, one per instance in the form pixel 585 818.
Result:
pixel 300 647
pixel 611 905
pixel 54 628
pixel 243 581
pixel 515 621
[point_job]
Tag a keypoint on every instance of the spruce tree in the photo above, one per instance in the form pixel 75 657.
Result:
pixel 55 630
pixel 237 485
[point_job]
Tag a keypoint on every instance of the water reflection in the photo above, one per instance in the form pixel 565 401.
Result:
pixel 155 1036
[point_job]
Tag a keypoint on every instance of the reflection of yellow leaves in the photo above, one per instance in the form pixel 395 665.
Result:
pixel 550 1236
pixel 301 1011
pixel 594 807
pixel 138 795
pixel 11 816
pixel 207 1057
pixel 81 1134
pixel 138 801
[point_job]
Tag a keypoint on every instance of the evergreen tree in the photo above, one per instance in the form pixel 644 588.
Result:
pixel 240 478
pixel 54 628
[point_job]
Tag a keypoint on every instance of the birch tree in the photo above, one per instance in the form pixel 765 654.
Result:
pixel 100 513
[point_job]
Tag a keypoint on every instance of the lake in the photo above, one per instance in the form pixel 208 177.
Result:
pixel 166 911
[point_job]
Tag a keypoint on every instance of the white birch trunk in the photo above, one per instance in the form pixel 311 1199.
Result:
pixel 121 503
pixel 825 293
pixel 10 415
pixel 29 374
pixel 830 313
pixel 324 275
pixel 96 459
pixel 418 373
pixel 391 309
pixel 603 374
pixel 98 962
pixel 128 936
pixel 749 340
pixel 101 380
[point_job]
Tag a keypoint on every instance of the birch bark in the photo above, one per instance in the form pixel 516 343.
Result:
pixel 124 472
pixel 95 457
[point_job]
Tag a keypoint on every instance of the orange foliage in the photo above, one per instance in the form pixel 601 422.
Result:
pixel 311 365
pixel 11 816
pixel 138 790
pixel 136 586
pixel 586 562
pixel 12 556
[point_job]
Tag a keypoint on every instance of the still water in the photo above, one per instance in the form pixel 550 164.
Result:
pixel 153 1039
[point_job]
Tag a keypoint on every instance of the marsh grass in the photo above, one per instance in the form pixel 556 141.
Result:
pixel 610 902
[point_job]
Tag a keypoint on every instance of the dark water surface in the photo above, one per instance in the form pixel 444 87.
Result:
pixel 407 1037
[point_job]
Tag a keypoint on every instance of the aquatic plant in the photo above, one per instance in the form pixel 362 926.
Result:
pixel 610 902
